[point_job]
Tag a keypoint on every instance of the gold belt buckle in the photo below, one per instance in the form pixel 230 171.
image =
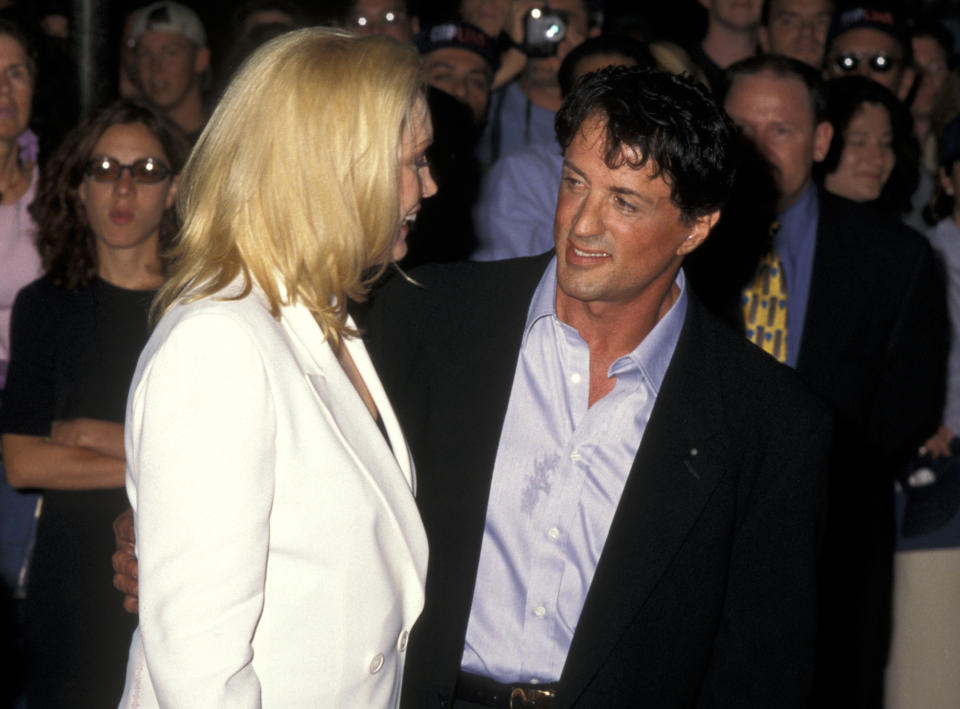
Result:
pixel 531 698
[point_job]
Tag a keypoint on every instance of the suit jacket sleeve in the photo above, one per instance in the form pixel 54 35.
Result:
pixel 200 476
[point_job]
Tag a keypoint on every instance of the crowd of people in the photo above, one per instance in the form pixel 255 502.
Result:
pixel 516 353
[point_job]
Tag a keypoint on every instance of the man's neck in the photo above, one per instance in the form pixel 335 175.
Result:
pixel 726 45
pixel 612 330
pixel 784 205
pixel 543 94
pixel 189 113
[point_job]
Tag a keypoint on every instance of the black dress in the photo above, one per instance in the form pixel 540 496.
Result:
pixel 73 354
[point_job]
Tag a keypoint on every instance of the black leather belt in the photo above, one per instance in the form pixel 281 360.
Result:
pixel 483 690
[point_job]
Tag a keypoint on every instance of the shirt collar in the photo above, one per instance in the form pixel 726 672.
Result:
pixel 796 221
pixel 651 357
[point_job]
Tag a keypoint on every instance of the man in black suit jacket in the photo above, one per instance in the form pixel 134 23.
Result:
pixel 872 344
pixel 704 592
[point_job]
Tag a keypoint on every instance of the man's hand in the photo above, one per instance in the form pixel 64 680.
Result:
pixel 105 437
pixel 939 443
pixel 125 561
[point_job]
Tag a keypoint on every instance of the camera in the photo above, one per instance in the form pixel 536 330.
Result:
pixel 543 30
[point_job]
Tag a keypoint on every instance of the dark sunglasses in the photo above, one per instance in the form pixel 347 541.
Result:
pixel 145 171
pixel 849 62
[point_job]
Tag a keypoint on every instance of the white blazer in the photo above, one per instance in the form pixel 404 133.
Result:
pixel 282 558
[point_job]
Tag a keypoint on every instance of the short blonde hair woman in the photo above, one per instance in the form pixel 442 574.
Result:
pixel 282 558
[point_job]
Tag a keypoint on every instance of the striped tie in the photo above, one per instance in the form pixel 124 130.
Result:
pixel 765 307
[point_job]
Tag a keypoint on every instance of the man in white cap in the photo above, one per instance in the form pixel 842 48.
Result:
pixel 171 60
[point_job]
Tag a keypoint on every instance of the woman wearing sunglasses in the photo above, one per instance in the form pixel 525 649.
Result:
pixel 103 212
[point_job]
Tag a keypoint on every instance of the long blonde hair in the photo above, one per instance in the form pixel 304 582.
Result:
pixel 293 183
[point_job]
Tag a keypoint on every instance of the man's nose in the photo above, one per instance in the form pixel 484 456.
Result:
pixel 588 220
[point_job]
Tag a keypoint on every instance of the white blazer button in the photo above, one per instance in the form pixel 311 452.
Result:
pixel 402 641
pixel 376 663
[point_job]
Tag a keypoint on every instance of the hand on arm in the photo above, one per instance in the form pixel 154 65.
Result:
pixel 105 437
pixel 38 462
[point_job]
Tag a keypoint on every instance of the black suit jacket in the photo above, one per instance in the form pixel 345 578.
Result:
pixel 704 592
pixel 876 334
pixel 874 347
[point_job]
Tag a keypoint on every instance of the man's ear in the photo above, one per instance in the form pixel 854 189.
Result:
pixel 764 38
pixel 201 60
pixel 946 184
pixel 906 82
pixel 415 25
pixel 700 229
pixel 822 135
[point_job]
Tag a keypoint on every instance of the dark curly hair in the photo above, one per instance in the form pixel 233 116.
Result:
pixel 66 243
pixel 846 95
pixel 666 118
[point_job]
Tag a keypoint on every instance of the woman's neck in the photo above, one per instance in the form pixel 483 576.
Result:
pixel 13 175
pixel 134 269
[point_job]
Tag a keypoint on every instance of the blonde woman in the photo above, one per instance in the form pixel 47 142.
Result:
pixel 282 558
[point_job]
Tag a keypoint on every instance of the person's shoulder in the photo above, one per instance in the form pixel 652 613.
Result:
pixel 440 281
pixel 843 218
pixel 39 287
pixel 436 302
pixel 230 310
pixel 44 294
pixel 753 379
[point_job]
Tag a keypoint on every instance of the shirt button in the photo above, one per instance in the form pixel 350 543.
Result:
pixel 402 642
pixel 539 611
pixel 376 663
pixel 575 377
pixel 575 456
pixel 553 533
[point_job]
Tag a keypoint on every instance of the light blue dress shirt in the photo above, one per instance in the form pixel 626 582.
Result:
pixel 795 242
pixel 514 213
pixel 559 473
pixel 513 121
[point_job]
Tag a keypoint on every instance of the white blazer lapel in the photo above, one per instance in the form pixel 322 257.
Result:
pixel 391 471
pixel 400 451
